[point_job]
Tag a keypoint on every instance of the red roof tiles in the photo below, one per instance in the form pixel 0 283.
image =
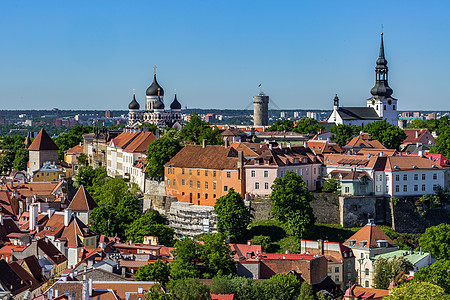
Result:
pixel 43 142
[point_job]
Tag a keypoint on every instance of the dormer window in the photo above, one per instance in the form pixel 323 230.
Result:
pixel 382 243
pixel 351 243
pixel 363 243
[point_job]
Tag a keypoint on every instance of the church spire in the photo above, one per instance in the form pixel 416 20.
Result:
pixel 381 88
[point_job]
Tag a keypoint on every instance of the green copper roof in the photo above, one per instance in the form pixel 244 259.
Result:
pixel 413 258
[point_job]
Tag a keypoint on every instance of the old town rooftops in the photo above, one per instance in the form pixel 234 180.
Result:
pixel 207 157
pixel 43 142
pixel 370 236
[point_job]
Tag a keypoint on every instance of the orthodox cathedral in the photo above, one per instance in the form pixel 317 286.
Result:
pixel 380 106
pixel 155 112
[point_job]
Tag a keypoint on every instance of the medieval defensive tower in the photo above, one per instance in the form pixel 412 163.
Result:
pixel 261 110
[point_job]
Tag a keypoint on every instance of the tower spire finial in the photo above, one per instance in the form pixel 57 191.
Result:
pixel 159 92
pixel 175 91
pixel 154 70
pixel 134 92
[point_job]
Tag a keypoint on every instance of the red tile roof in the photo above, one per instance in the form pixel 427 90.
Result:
pixel 82 201
pixel 210 157
pixel 43 142
pixel 364 141
pixel 368 236
pixel 414 136
pixel 221 296
pixel 75 150
pixel 140 143
pixel 410 162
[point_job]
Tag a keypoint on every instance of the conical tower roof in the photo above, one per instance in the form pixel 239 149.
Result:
pixel 381 88
pixel 43 142
pixel 175 104
pixel 82 201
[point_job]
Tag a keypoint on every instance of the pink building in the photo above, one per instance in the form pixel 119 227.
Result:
pixel 273 162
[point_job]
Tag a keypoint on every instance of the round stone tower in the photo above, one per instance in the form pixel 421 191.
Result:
pixel 261 110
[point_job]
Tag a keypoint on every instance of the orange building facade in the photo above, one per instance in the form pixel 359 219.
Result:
pixel 201 174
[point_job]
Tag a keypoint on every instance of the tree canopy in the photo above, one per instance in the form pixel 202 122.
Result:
pixel 308 126
pixel 71 138
pixel 89 177
pixel 387 269
pixel 285 125
pixel 14 154
pixel 160 152
pixel 438 273
pixel 387 134
pixel 158 271
pixel 442 143
pixel 291 204
pixel 342 134
pixel 197 130
pixel 417 291
pixel 152 223
pixel 233 216
pixel 436 240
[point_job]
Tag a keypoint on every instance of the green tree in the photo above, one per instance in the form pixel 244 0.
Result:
pixel 331 185
pixel 308 126
pixel 197 130
pixel 150 127
pixel 285 126
pixel 150 224
pixel 215 254
pixel 291 204
pixel 437 273
pixel 233 216
pixel 189 289
pixel 263 240
pixel 436 240
pixel 306 292
pixel 387 269
pixel 82 159
pixel 71 138
pixel 342 134
pixel 387 134
pixel 89 177
pixel 187 257
pixel 160 152
pixel 20 159
pixel 417 291
pixel 111 190
pixel 442 143
pixel 288 283
pixel 242 288
pixel 271 290
pixel 159 271
pixel 156 292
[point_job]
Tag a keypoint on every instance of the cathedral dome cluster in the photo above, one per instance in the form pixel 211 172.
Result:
pixel 155 112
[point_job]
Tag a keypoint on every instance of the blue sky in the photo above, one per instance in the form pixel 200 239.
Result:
pixel 91 54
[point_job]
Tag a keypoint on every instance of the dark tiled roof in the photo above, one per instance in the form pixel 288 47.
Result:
pixel 10 280
pixel 24 275
pixel 358 113
pixel 51 251
pixel 34 267
pixel 43 142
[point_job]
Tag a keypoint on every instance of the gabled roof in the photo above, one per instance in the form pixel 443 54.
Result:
pixel 284 156
pixel 349 175
pixel 140 143
pixel 10 280
pixel 364 141
pixel 51 251
pixel 369 235
pixel 123 139
pixel 82 201
pixel 34 268
pixel 23 274
pixel 323 147
pixel 6 205
pixel 414 136
pixel 358 113
pixel 75 150
pixel 209 157
pixel 248 152
pixel 43 142
pixel 410 162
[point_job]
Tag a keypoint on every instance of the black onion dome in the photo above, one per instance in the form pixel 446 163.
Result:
pixel 175 104
pixel 134 104
pixel 158 104
pixel 152 90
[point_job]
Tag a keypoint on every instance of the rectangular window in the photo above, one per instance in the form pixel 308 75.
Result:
pixel 423 188
pixel 397 177
pixel 266 185
pixel 214 173
pixel 182 171
pixel 174 182
pixel 384 107
pixel 266 174
pixel 397 188
pixel 190 184
pixel 190 171
pixel 206 184
pixel 182 182
pixel 256 185
pixel 434 176
pixel 225 188
pixel 314 171
pixel 307 172
pixel 387 177
pixel 416 188
pixel 435 187
pixel 336 270
pixel 405 177
pixel 214 185
pixel 198 172
pixel 424 176
pixel 228 174
pixel 253 173
pixel 330 270
pixel 198 184
pixel 206 172
pixel 405 188
pixel 416 176
pixel 336 278
pixel 347 189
